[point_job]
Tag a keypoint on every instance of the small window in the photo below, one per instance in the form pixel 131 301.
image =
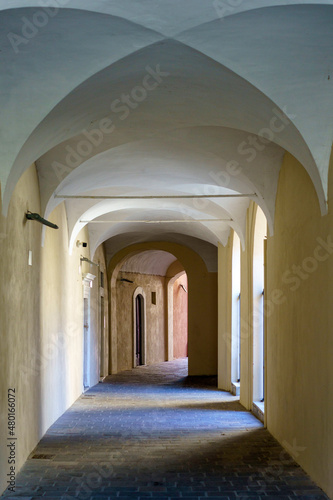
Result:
pixel 153 298
pixel 102 279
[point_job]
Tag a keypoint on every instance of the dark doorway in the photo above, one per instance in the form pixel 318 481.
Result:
pixel 139 329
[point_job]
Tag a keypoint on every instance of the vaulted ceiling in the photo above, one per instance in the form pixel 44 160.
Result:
pixel 162 119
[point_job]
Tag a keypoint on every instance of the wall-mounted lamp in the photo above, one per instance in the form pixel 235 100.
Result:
pixel 183 287
pixel 38 218
pixel 81 244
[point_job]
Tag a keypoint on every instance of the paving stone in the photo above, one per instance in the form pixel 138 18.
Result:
pixel 154 433
pixel 274 497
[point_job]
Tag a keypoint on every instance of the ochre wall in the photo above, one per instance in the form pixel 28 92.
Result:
pixel 224 315
pixel 20 321
pixel 247 311
pixel 100 323
pixel 41 310
pixel 155 319
pixel 180 317
pixel 202 306
pixel 300 324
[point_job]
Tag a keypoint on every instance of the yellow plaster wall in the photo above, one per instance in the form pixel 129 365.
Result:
pixel 61 342
pixel 20 287
pixel 246 383
pixel 299 402
pixel 298 323
pixel 41 310
pixel 155 321
pixel 101 323
pixel 224 314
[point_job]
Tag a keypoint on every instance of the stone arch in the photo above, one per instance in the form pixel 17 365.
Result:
pixel 202 305
pixel 170 312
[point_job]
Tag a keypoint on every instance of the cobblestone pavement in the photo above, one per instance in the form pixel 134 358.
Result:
pixel 153 433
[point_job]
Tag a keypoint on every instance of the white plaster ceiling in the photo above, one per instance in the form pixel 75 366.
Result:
pixel 155 262
pixel 230 69
pixel 205 250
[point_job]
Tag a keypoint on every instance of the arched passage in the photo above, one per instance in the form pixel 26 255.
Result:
pixel 177 313
pixel 202 307
pixel 180 316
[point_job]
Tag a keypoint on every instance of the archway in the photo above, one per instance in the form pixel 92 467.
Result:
pixel 139 327
pixel 178 316
pixel 202 308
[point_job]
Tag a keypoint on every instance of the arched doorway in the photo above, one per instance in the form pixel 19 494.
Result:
pixel 139 328
pixel 178 316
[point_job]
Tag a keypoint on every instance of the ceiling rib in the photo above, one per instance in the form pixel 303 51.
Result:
pixel 153 197
pixel 152 221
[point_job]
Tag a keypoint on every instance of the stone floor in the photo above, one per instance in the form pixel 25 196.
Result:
pixel 153 433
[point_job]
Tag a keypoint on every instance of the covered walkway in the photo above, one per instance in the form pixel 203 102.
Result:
pixel 153 432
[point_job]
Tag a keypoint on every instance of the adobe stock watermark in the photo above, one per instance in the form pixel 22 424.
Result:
pixel 31 26
pixel 276 468
pixel 294 277
pixel 225 8
pixel 249 148
pixel 92 481
pixel 121 108
pixel 57 343
pixel 299 273
pixel 253 145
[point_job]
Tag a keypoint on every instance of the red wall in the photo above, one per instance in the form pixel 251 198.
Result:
pixel 180 318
